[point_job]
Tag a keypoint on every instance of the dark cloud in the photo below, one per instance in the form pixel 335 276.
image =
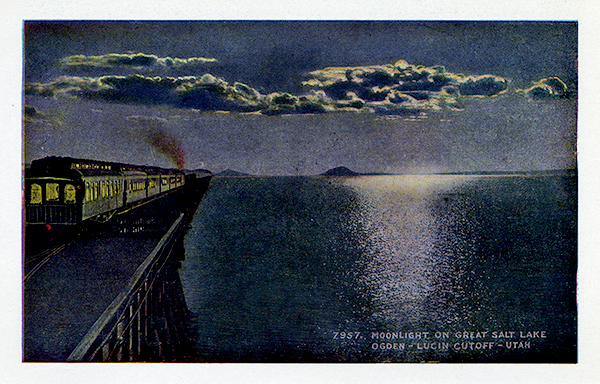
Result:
pixel 136 88
pixel 549 88
pixel 402 88
pixel 31 115
pixel 65 87
pixel 482 86
pixel 210 93
pixel 374 83
pixel 30 111
pixel 206 93
pixel 285 103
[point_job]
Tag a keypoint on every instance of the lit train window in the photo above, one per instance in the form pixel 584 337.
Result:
pixel 164 181
pixel 36 194
pixel 87 191
pixel 52 192
pixel 69 194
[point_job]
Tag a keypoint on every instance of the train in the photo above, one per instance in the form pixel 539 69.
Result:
pixel 65 191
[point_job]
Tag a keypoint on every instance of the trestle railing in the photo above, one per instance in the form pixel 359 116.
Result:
pixel 139 325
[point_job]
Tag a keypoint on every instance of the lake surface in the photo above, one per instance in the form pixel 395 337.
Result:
pixel 384 269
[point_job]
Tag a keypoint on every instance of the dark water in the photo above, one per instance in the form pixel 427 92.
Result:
pixel 387 268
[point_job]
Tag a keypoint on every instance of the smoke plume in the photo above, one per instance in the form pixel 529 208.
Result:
pixel 151 130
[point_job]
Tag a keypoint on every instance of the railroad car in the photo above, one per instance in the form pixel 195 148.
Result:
pixel 67 191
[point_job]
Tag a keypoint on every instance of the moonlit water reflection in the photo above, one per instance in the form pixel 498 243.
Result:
pixel 277 267
pixel 403 230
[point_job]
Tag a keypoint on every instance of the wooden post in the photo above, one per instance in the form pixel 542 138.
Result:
pixel 120 340
pixel 145 321
pixel 105 352
pixel 138 325
pixel 131 334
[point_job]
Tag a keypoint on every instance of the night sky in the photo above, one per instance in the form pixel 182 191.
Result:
pixel 299 98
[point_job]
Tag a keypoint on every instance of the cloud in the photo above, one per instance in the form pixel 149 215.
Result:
pixel 134 61
pixel 394 89
pixel 368 81
pixel 210 93
pixel 482 86
pixel 402 88
pixel 65 87
pixel 206 93
pixel 30 111
pixel 549 88
pixel 32 115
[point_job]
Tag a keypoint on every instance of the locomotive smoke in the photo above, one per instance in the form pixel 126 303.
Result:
pixel 167 145
pixel 151 130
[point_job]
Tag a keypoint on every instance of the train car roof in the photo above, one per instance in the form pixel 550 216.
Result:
pixel 62 165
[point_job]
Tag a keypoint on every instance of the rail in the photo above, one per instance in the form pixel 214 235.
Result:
pixel 130 329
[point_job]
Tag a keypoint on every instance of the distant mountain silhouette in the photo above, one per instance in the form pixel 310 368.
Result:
pixel 231 173
pixel 200 170
pixel 340 171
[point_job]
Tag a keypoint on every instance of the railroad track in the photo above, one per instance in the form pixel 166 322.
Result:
pixel 33 264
